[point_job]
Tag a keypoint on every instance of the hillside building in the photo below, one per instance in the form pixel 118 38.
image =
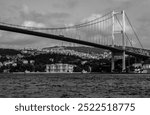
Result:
pixel 146 67
pixel 59 68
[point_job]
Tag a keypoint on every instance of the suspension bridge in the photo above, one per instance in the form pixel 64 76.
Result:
pixel 112 31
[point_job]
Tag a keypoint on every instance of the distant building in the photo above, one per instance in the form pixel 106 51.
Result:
pixel 25 61
pixel 5 63
pixel 59 68
pixel 146 67
pixel 32 61
pixel 142 68
pixel 14 64
pixel 137 67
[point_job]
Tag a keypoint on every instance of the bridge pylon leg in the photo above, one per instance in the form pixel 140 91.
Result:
pixel 123 42
pixel 112 62
pixel 123 62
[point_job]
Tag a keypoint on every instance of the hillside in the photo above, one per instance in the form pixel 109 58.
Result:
pixel 90 50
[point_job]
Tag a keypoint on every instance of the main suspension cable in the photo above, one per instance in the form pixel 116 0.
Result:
pixel 74 26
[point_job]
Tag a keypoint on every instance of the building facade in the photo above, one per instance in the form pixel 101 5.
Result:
pixel 59 68
pixel 146 68
pixel 142 68
pixel 137 67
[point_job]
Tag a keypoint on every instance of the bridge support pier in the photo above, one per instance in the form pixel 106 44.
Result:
pixel 112 62
pixel 123 62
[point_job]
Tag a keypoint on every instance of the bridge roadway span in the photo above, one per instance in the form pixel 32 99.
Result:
pixel 63 38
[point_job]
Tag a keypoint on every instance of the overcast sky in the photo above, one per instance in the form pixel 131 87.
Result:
pixel 55 13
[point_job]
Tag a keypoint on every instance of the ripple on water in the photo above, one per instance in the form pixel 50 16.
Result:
pixel 74 85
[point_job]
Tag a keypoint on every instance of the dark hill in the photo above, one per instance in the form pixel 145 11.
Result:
pixel 9 52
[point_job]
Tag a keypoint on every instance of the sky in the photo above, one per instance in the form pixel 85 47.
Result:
pixel 57 13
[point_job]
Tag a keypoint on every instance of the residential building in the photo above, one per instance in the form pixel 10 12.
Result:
pixel 146 67
pixel 137 67
pixel 59 68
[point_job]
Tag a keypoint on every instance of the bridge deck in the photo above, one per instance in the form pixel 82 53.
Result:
pixel 63 38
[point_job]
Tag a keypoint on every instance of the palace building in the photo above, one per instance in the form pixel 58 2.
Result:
pixel 59 68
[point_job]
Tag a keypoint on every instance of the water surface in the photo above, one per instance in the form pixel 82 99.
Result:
pixel 74 85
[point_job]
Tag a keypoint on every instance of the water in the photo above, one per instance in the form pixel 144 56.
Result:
pixel 74 85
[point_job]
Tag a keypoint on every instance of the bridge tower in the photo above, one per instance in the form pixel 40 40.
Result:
pixel 123 41
pixel 113 39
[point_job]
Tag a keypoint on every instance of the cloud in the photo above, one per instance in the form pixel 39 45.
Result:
pixel 119 28
pixel 1 33
pixel 60 12
pixel 121 0
pixel 15 38
pixel 33 24
pixel 51 19
pixel 9 39
pixel 26 9
pixel 30 18
pixel 92 17
pixel 67 4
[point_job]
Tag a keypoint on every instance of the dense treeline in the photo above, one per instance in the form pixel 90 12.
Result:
pixel 11 52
